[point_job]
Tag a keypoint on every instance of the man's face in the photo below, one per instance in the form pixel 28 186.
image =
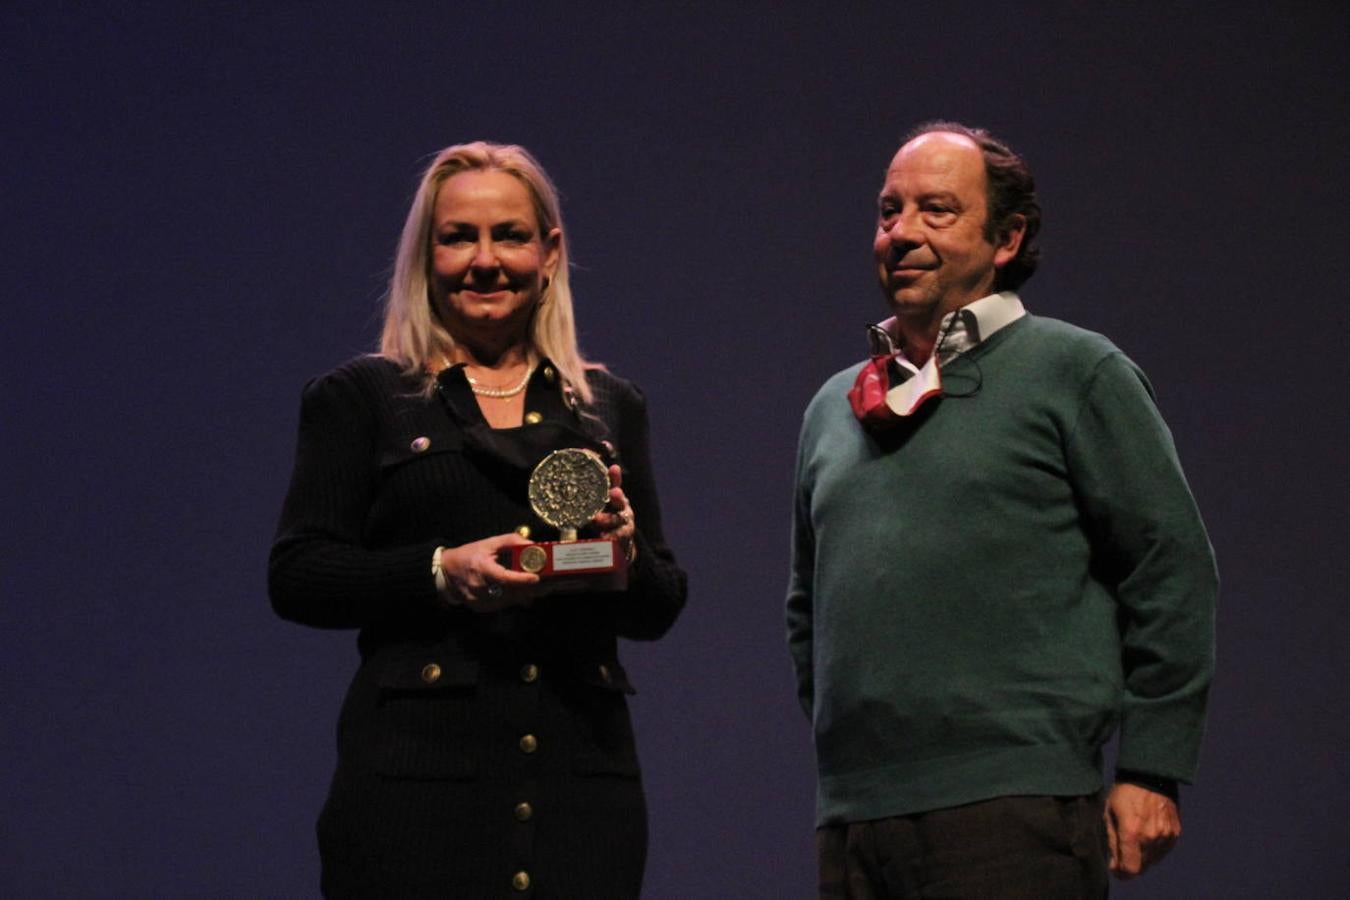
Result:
pixel 931 253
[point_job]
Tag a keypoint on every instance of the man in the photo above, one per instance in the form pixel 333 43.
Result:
pixel 996 564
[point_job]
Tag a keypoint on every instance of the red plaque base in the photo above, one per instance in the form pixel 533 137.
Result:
pixel 597 565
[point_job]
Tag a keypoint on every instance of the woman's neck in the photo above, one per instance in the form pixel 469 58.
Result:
pixel 498 357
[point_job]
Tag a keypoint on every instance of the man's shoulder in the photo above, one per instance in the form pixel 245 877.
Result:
pixel 1064 354
pixel 1056 358
pixel 1055 336
pixel 834 391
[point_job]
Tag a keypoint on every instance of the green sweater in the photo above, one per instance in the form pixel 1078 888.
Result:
pixel 980 598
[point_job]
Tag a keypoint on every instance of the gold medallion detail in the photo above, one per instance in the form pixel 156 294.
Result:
pixel 568 488
pixel 533 558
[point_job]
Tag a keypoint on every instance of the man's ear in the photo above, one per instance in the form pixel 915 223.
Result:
pixel 1009 240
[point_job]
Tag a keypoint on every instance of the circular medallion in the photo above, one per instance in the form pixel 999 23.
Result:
pixel 532 559
pixel 569 487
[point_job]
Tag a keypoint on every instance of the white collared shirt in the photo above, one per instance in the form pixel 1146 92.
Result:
pixel 964 328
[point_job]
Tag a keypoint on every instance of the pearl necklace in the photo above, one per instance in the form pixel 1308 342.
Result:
pixel 499 393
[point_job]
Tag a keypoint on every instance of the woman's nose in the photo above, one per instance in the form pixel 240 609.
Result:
pixel 485 256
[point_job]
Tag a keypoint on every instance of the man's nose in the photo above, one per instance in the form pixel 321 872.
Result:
pixel 903 231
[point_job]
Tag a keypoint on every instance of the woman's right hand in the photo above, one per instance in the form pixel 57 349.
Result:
pixel 474 578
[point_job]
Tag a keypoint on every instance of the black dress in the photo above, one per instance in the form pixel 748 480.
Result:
pixel 478 755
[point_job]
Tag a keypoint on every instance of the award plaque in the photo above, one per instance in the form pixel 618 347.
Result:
pixel 567 489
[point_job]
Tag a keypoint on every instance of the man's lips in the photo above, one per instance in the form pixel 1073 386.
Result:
pixel 909 271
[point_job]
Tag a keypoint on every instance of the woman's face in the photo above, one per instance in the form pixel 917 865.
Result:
pixel 488 259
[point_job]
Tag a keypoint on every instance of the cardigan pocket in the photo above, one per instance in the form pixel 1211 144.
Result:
pixel 419 448
pixel 423 721
pixel 401 452
pixel 604 730
pixel 414 488
pixel 417 440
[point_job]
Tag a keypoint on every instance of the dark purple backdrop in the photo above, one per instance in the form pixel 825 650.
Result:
pixel 199 207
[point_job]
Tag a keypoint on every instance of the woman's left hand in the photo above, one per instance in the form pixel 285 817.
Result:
pixel 615 521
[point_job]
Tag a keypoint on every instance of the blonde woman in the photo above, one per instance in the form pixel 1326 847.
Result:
pixel 484 746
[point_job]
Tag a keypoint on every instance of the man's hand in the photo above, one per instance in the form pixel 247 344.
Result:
pixel 1141 826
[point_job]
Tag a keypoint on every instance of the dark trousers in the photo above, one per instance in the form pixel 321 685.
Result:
pixel 1009 848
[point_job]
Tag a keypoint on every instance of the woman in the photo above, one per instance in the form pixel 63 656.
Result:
pixel 484 746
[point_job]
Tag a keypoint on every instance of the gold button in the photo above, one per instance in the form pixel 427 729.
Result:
pixel 533 418
pixel 604 673
pixel 420 444
pixel 523 531
pixel 524 812
pixel 431 673
pixel 529 673
pixel 549 373
pixel 528 743
pixel 521 880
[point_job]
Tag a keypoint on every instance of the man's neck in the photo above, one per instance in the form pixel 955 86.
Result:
pixel 918 335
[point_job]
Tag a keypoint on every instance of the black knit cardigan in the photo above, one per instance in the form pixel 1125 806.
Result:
pixel 449 699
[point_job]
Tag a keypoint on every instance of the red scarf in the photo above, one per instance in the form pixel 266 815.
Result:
pixel 869 394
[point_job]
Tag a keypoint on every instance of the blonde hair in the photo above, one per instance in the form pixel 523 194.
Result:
pixel 413 335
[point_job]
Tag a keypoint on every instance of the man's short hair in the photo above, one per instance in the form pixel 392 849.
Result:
pixel 1011 192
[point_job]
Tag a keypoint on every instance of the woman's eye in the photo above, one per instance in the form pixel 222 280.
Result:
pixel 453 237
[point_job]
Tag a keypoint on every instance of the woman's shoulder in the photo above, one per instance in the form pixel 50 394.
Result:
pixel 370 377
pixel 608 389
pixel 366 369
